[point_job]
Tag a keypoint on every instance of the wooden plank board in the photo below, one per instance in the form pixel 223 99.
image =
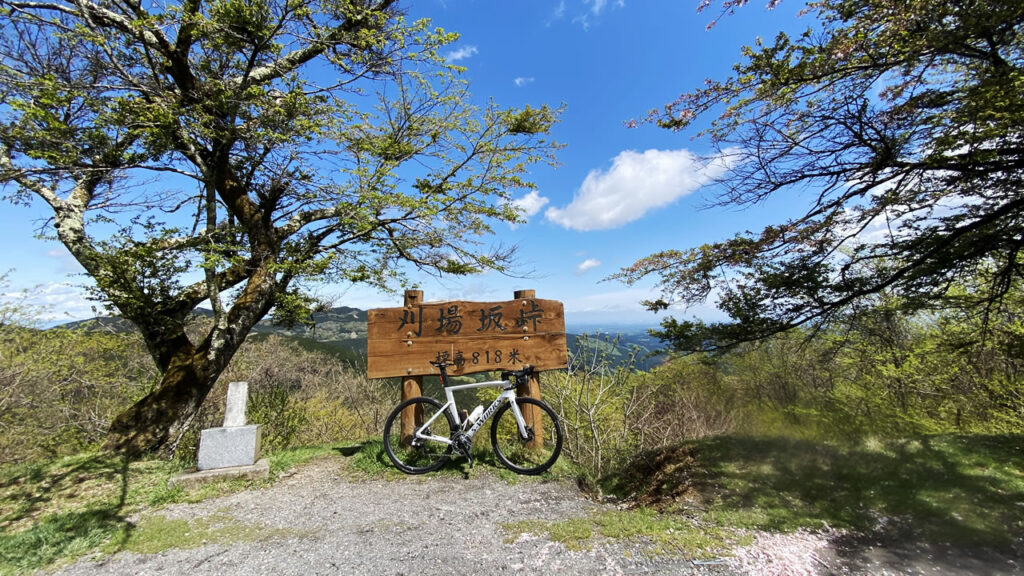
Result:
pixel 485 336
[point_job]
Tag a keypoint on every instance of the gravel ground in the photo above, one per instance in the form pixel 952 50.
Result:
pixel 319 521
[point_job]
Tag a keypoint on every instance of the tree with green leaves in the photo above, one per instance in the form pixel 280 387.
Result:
pixel 233 151
pixel 901 124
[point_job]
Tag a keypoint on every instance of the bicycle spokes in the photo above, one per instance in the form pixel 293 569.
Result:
pixel 417 450
pixel 537 449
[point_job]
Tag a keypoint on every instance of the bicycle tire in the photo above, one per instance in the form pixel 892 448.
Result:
pixel 426 456
pixel 515 452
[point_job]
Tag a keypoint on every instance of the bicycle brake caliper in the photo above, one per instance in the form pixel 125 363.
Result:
pixel 417 441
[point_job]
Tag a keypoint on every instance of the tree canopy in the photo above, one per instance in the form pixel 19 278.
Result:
pixel 230 151
pixel 902 124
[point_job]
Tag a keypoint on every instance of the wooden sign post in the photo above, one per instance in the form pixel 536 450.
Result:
pixel 412 385
pixel 474 336
pixel 531 413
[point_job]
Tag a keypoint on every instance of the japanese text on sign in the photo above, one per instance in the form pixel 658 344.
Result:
pixel 475 336
pixel 496 357
pixel 448 320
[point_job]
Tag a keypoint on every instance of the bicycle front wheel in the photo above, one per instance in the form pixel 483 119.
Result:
pixel 535 452
pixel 417 455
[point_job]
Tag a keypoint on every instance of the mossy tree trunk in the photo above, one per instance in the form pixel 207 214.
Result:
pixel 190 370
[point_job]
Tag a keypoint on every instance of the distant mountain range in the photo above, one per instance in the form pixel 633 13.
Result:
pixel 342 331
pixel 342 323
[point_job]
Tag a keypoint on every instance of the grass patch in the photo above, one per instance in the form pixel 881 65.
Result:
pixel 156 533
pixel 83 484
pixel 370 459
pixel 663 533
pixel 573 533
pixel 65 508
pixel 56 537
pixel 961 490
pixel 57 510
pixel 286 460
pixel 671 533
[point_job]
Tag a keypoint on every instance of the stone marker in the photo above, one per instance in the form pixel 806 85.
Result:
pixel 234 444
pixel 238 399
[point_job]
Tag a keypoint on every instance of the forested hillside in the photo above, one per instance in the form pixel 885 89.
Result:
pixel 342 331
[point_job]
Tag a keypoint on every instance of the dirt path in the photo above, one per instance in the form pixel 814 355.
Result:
pixel 320 521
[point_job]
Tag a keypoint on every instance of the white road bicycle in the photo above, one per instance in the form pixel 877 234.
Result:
pixel 524 444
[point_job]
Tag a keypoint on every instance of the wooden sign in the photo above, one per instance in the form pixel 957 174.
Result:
pixel 474 336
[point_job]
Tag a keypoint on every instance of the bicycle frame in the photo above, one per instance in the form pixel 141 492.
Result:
pixel 507 395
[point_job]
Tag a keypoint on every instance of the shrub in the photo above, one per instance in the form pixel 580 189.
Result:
pixel 610 411
pixel 60 388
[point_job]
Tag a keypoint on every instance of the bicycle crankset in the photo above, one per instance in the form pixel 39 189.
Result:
pixel 464 445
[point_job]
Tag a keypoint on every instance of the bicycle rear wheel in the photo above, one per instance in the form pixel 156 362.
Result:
pixel 415 455
pixel 543 442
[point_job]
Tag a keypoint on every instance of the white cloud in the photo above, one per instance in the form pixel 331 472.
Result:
pixel 583 20
pixel 891 224
pixel 627 300
pixel 523 81
pixel 530 204
pixel 53 303
pixel 461 53
pixel 587 264
pixel 473 291
pixel 584 13
pixel 636 183
pixel 598 6
pixel 557 14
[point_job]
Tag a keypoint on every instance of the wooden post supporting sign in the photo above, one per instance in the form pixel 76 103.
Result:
pixel 412 385
pixel 531 414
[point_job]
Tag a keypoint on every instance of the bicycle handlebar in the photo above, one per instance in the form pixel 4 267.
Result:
pixel 523 372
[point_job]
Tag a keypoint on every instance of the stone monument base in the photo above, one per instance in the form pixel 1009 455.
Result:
pixel 229 447
pixel 258 471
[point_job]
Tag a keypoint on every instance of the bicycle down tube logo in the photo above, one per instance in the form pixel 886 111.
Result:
pixel 475 336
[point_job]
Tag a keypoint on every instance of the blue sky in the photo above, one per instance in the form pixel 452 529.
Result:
pixel 618 193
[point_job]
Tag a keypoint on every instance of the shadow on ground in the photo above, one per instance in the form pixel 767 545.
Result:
pixel 948 492
pixel 61 508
